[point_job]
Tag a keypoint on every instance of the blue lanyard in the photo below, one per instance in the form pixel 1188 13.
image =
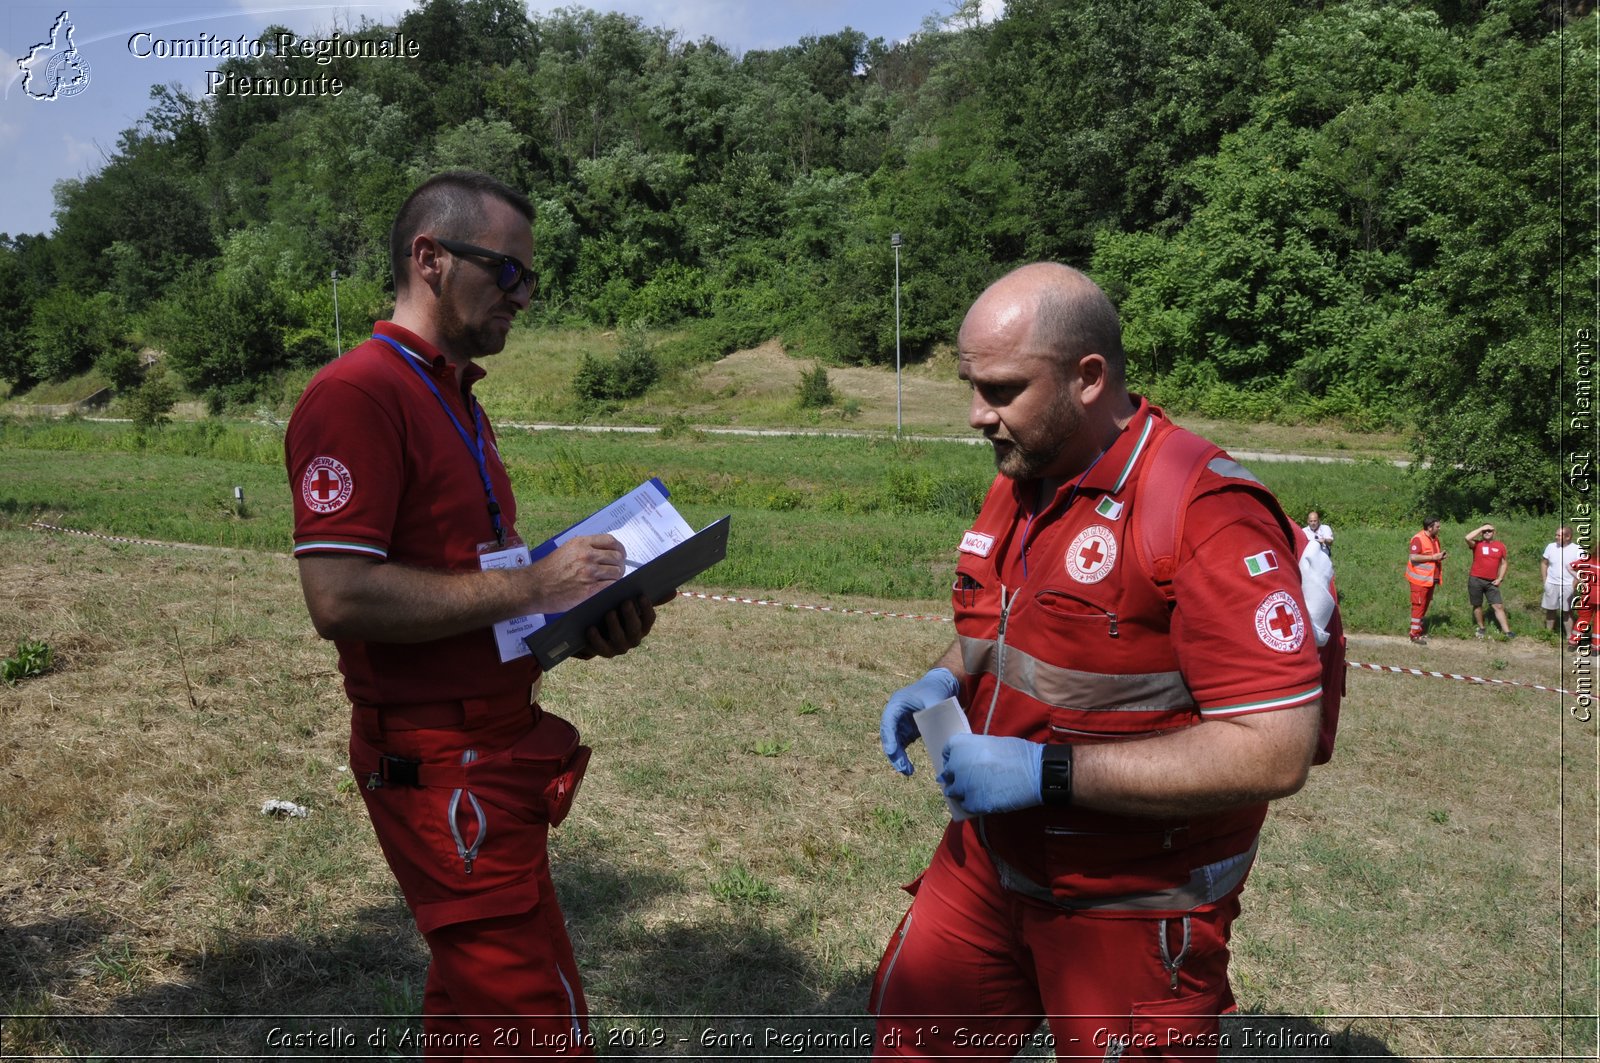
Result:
pixel 475 445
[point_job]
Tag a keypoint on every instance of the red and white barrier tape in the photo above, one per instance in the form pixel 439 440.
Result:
pixel 42 526
pixel 1395 669
pixel 1391 668
pixel 809 608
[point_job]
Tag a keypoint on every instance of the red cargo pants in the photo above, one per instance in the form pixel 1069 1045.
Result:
pixel 975 968
pixel 468 848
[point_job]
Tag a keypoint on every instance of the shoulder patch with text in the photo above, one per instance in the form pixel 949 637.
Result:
pixel 1092 555
pixel 1279 623
pixel 327 485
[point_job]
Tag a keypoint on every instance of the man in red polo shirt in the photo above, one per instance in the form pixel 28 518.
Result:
pixel 1124 745
pixel 1485 575
pixel 406 538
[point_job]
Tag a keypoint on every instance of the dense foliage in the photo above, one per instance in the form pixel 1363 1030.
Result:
pixel 1361 210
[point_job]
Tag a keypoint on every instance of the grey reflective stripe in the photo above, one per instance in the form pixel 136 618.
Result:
pixel 1232 469
pixel 999 653
pixel 1206 885
pixel 1069 688
pixel 888 972
pixel 572 1007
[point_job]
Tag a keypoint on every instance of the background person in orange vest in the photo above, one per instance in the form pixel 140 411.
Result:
pixel 1424 571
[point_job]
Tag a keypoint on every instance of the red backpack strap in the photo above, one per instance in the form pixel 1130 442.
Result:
pixel 1173 467
pixel 1176 460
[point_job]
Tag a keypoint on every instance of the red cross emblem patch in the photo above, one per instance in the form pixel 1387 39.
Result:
pixel 1092 555
pixel 326 486
pixel 1279 622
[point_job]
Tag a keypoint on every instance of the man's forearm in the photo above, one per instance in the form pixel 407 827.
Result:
pixel 389 602
pixel 381 601
pixel 951 660
pixel 1215 765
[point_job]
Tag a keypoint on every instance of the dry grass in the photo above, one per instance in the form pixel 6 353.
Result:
pixel 738 842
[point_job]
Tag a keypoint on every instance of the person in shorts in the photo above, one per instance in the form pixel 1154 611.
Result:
pixel 1488 571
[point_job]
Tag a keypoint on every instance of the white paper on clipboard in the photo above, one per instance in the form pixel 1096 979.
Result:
pixel 643 521
pixel 650 530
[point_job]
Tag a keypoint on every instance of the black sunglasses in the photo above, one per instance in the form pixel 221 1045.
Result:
pixel 510 273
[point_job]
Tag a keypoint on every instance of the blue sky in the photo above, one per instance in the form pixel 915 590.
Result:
pixel 45 140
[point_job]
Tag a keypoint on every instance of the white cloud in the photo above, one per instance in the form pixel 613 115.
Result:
pixel 375 10
pixel 9 74
pixel 78 155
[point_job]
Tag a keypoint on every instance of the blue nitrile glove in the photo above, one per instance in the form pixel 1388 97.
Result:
pixel 990 773
pixel 897 729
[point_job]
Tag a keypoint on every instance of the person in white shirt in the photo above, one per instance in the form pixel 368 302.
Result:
pixel 1558 588
pixel 1318 532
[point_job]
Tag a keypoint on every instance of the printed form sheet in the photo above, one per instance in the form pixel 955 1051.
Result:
pixel 644 521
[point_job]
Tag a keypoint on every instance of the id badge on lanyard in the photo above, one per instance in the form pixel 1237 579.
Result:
pixel 503 551
pixel 508 634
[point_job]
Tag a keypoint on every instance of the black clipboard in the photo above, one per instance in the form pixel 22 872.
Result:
pixel 566 634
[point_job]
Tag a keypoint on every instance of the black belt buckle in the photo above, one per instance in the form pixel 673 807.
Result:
pixel 394 771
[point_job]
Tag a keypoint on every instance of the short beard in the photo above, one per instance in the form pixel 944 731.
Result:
pixel 1023 463
pixel 463 340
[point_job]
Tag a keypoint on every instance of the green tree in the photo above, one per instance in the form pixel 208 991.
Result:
pixel 1497 243
pixel 69 330
pixel 24 277
pixel 223 328
pixel 961 210
pixel 148 197
pixel 630 374
pixel 150 404
pixel 1103 106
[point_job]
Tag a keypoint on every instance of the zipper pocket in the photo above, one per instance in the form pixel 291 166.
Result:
pixel 1095 609
pixel 1166 834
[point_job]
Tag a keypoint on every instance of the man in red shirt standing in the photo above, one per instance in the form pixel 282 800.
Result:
pixel 406 537
pixel 1484 577
pixel 1124 744
pixel 1424 571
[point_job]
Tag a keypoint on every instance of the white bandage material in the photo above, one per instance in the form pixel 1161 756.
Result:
pixel 937 724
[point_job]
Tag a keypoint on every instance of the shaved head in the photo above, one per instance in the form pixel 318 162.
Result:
pixel 1042 350
pixel 1060 311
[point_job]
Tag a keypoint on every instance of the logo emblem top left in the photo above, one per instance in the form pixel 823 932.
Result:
pixel 55 69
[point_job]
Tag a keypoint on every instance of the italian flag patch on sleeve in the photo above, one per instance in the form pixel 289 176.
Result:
pixel 1262 563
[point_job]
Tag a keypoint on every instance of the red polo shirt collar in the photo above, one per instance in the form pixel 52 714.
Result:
pixel 429 354
pixel 1114 468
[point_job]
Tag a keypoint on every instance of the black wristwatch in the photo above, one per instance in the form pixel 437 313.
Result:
pixel 1055 776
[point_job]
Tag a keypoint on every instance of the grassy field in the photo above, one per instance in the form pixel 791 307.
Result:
pixel 738 845
pixel 531 380
pixel 901 506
